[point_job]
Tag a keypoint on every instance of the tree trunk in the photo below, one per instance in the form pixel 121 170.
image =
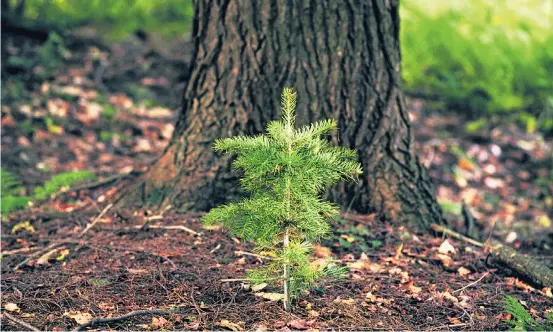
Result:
pixel 343 58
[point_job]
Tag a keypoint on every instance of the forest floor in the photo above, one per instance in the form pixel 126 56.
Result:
pixel 112 111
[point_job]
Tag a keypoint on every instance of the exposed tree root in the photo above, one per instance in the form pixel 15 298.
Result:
pixel 526 266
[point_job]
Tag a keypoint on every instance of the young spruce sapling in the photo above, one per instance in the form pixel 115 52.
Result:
pixel 285 172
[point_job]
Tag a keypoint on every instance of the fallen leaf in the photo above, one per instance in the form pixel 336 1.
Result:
pixel 271 296
pixel 463 271
pixel 321 252
pixel 26 225
pixel 446 248
pixel 494 183
pixel 448 296
pixel 106 306
pixel 412 288
pixel 313 313
pixel 398 251
pixel 158 322
pixel 298 324
pixel 258 287
pixel 43 260
pixel 79 317
pixel 446 260
pixel 365 264
pixel 12 307
pixel 511 237
pixel 230 325
pixel 465 164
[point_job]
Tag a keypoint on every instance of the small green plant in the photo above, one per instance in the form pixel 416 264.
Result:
pixel 522 320
pixel 285 172
pixel 11 186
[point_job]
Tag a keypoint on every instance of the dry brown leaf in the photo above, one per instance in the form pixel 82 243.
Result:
pixel 398 251
pixel 230 325
pixel 258 287
pixel 412 288
pixel 158 322
pixel 298 324
pixel 12 307
pixel 105 306
pixel 463 271
pixel 366 265
pixel 79 317
pixel 313 313
pixel 446 248
pixel 446 260
pixel 449 297
pixel 321 252
pixel 465 164
pixel 270 296
pixel 43 260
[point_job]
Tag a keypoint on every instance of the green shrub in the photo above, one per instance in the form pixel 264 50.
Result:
pixel 11 186
pixel 285 172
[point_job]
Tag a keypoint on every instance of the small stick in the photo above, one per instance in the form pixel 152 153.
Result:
pixel 123 317
pixel 20 322
pixel 17 251
pixel 89 226
pixel 215 249
pixel 186 229
pixel 456 235
pixel 472 283
pixel 38 253
pixel 233 280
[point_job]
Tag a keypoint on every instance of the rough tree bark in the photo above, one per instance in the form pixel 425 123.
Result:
pixel 343 57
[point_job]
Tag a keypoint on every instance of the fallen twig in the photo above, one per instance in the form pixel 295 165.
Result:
pixel 186 229
pixel 38 253
pixel 20 322
pixel 89 226
pixel 525 266
pixel 215 249
pixel 472 283
pixel 233 280
pixel 17 251
pixel 98 321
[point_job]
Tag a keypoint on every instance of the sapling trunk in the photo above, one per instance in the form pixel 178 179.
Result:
pixel 287 304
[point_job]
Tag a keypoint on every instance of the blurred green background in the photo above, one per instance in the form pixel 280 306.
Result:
pixel 482 58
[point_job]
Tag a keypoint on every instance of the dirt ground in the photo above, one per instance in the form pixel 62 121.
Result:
pixel 58 274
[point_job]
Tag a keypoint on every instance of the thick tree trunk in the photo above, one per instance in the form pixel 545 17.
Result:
pixel 343 58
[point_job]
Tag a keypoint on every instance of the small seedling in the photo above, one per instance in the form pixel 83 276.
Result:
pixel 285 172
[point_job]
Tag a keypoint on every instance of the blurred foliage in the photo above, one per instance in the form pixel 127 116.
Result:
pixel 12 188
pixel 481 56
pixel 117 18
